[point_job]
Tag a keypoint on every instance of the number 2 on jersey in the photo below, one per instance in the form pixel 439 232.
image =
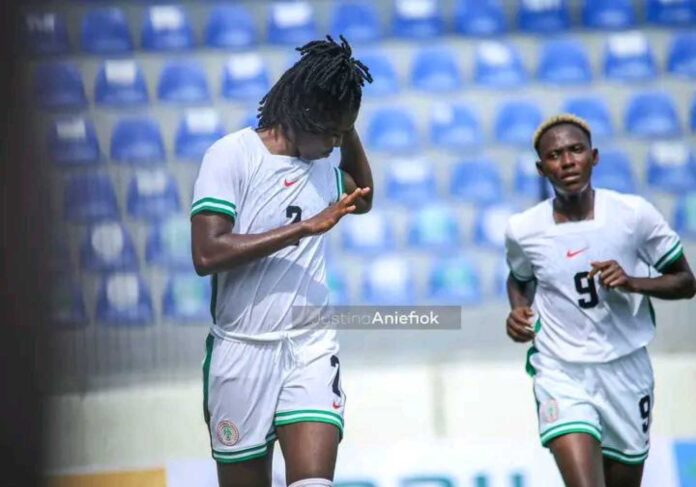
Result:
pixel 294 212
pixel 586 287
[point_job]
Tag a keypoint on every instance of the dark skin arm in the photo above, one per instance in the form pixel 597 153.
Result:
pixel 519 321
pixel 356 170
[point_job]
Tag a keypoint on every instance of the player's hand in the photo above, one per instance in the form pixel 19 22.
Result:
pixel 611 275
pixel 326 219
pixel 519 324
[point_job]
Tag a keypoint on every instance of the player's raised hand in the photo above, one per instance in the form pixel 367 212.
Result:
pixel 519 324
pixel 611 275
pixel 327 218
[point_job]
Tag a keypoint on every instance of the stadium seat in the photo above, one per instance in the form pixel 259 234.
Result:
pixel 90 197
pixel 169 244
pixel 454 281
pixel 543 16
pixel 152 195
pixel 245 77
pixel 516 122
pixel 436 70
pixel 59 85
pixel 137 140
pixel 356 20
pixel 108 246
pixel 186 299
pixel 685 216
pixel 595 111
pixel 120 83
pixel 45 33
pixel 124 300
pixel 183 82
pixel 608 14
pixel 291 22
pixel 489 225
pixel 498 65
pixel 454 127
pixel 392 130
pixel 476 181
pixel 652 115
pixel 671 167
pixel 410 181
pixel 527 181
pixel 105 31
pixel 671 12
pixel 614 171
pixel 230 27
pixel 417 19
pixel 384 78
pixel 479 17
pixel 502 271
pixel 629 57
pixel 388 280
pixel 564 62
pixel 370 234
pixel 682 55
pixel 166 27
pixel 197 131
pixel 250 120
pixel 338 287
pixel 67 304
pixel 434 227
pixel 73 140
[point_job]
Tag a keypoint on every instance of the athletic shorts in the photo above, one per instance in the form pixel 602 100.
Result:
pixel 252 387
pixel 610 401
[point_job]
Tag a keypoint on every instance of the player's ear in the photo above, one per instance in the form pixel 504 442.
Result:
pixel 540 168
pixel 595 156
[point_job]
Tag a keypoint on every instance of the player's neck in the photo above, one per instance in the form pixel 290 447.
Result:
pixel 277 142
pixel 574 207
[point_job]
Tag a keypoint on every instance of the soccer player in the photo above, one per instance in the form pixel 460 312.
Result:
pixel 580 286
pixel 262 202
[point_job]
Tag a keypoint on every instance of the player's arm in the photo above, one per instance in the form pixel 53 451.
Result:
pixel 519 321
pixel 355 169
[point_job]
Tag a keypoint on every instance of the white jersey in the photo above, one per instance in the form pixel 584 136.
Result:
pixel 580 320
pixel 260 191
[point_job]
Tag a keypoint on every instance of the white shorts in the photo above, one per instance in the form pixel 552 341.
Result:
pixel 610 401
pixel 251 387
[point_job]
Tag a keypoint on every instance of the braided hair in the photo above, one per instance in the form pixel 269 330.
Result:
pixel 325 83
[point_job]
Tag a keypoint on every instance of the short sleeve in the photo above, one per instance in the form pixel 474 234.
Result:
pixel 659 245
pixel 520 267
pixel 336 184
pixel 217 186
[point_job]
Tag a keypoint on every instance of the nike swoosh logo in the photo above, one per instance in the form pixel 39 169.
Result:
pixel 287 183
pixel 570 254
pixel 336 406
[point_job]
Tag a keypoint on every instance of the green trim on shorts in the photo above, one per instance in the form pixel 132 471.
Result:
pixel 627 458
pixel 570 427
pixel 284 418
pixel 206 374
pixel 250 453
pixel 670 256
pixel 531 371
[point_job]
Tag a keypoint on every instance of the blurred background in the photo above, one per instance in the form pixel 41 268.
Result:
pixel 124 97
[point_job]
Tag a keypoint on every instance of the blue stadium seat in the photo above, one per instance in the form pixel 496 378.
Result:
pixel 392 130
pixel 608 14
pixel 186 299
pixel 454 281
pixel 527 181
pixel 384 78
pixel 629 57
pixel 388 280
pixel 183 82
pixel 516 122
pixel 120 83
pixel 356 20
pixel 152 195
pixel 250 120
pixel 105 31
pixel 124 300
pixel 73 140
pixel 338 287
pixel 498 65
pixel 436 70
pixel 166 27
pixel 595 111
pixel 564 62
pixel 291 23
pixel 671 12
pixel 671 167
pixel 682 55
pixel 137 140
pixel 230 27
pixel 59 85
pixel 245 77
pixel 489 225
pixel 169 244
pixel 197 131
pixel 479 17
pixel 45 33
pixel 370 234
pixel 410 181
pixel 434 227
pixel 652 115
pixel 476 181
pixel 417 19
pixel 454 127
pixel 90 197
pixel 614 172
pixel 67 304
pixel 108 246
pixel 685 216
pixel 543 16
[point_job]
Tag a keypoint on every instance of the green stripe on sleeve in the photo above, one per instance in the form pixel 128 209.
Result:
pixel 670 256
pixel 339 182
pixel 215 205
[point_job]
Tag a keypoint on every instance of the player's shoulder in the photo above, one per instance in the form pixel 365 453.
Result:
pixel 530 221
pixel 232 145
pixel 622 200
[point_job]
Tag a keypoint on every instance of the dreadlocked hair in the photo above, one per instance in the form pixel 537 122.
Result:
pixel 325 83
